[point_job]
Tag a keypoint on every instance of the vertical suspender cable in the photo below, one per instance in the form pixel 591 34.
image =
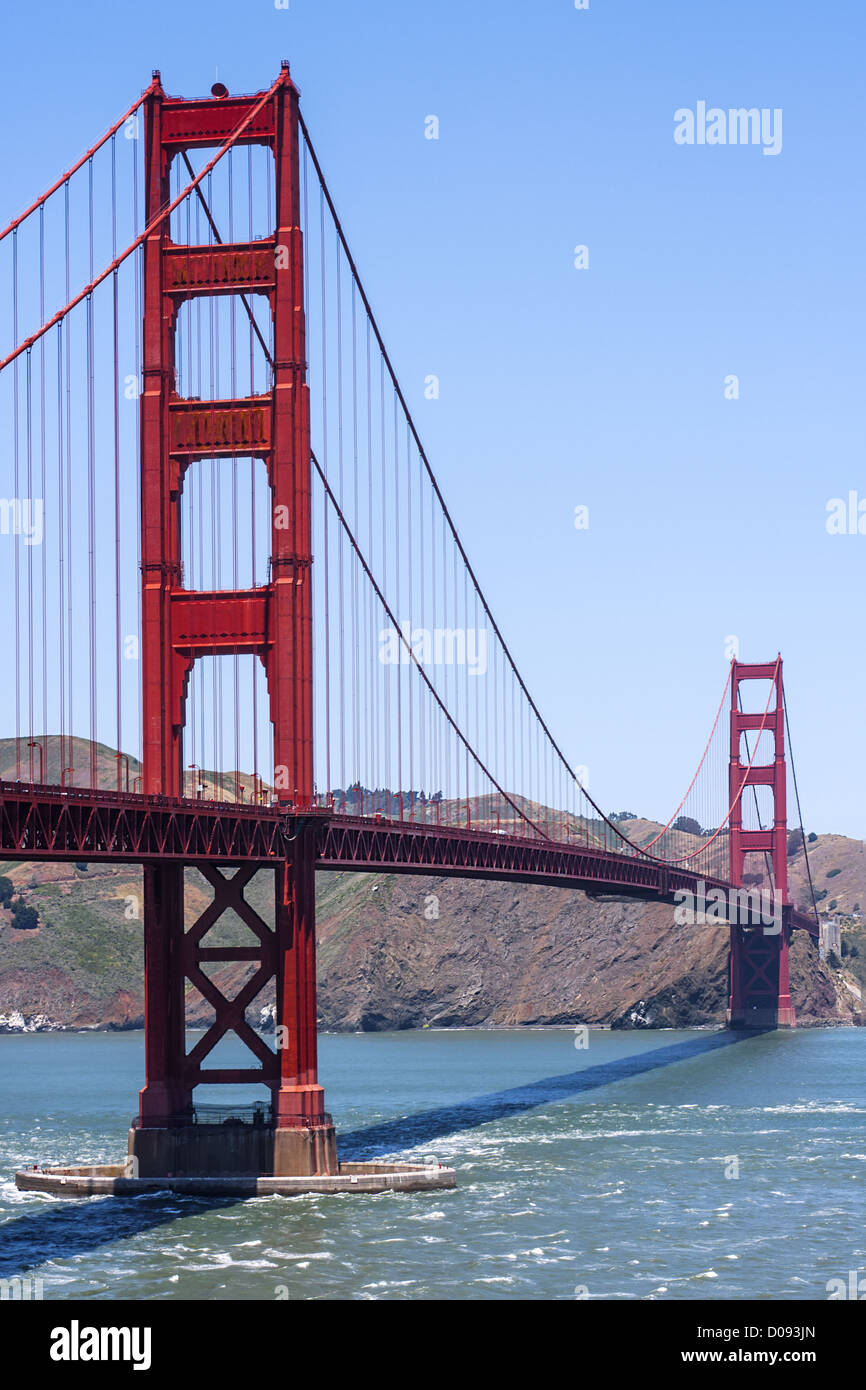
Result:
pixel 326 545
pixel 61 612
pixel 340 547
pixel 70 757
pixel 117 611
pixel 234 510
pixel 16 537
pixel 397 607
pixel 29 438
pixel 91 486
pixel 410 615
pixel 356 634
pixel 138 270
pixel 44 499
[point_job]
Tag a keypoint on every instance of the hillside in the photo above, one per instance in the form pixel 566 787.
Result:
pixel 399 952
pixel 55 761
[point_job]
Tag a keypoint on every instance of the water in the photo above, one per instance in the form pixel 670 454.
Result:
pixel 597 1172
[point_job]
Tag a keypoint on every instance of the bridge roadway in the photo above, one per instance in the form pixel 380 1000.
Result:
pixel 40 822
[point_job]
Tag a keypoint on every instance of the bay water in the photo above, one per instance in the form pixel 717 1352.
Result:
pixel 599 1165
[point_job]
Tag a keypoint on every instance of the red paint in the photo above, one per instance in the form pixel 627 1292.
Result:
pixel 272 621
pixel 760 989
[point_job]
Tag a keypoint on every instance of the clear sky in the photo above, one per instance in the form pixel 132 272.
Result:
pixel 560 387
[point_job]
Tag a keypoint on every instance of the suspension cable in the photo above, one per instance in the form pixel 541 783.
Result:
pixel 446 513
pixel 155 222
pixel 389 611
pixel 81 162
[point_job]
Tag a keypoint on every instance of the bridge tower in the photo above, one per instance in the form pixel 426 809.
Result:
pixel 273 621
pixel 760 994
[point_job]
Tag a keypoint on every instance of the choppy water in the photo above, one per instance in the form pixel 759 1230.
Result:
pixel 601 1170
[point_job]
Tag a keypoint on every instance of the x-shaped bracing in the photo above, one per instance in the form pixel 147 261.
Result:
pixel 230 1013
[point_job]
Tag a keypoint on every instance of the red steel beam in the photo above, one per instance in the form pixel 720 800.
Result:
pixel 47 823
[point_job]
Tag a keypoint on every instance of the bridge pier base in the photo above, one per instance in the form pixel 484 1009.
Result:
pixel 760 989
pixel 226 1150
pixel 305 1152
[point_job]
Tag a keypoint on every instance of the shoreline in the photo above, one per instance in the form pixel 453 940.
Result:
pixel 40 1025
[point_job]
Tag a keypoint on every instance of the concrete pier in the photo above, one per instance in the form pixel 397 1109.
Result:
pixel 227 1149
pixel 116 1180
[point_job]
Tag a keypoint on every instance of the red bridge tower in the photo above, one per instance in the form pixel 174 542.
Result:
pixel 760 995
pixel 272 621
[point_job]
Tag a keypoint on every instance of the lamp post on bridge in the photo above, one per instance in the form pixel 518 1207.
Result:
pixel 125 758
pixel 34 743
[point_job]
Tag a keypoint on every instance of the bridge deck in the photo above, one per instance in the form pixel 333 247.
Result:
pixel 56 823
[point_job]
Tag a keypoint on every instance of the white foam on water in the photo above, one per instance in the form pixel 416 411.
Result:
pixel 271 1253
pixel 815 1107
pixel 254 1264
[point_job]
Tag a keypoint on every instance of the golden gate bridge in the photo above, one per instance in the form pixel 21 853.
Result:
pixel 225 548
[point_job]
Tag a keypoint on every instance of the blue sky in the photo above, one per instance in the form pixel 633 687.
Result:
pixel 559 386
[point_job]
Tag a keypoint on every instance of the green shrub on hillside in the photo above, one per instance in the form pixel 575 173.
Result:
pixel 24 918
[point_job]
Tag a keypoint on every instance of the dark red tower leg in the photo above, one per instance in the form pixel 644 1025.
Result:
pixel 164 1093
pixel 304 1140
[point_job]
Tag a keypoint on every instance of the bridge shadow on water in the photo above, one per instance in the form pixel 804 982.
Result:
pixel 412 1130
pixel 61 1231
pixel 69 1228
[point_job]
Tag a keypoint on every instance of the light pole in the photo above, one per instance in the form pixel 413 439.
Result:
pixel 34 743
pixel 125 757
